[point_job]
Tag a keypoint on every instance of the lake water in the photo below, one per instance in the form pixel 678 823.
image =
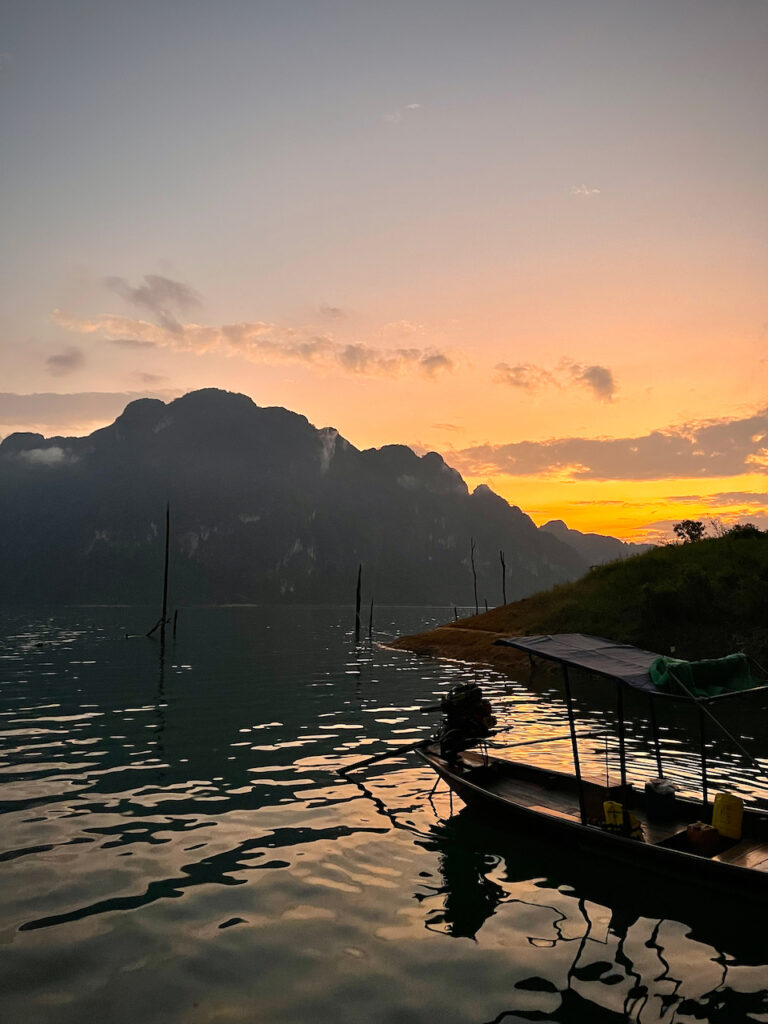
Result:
pixel 177 844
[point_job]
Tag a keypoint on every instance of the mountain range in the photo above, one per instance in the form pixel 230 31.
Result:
pixel 264 508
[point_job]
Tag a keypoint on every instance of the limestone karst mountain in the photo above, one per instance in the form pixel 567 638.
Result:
pixel 265 507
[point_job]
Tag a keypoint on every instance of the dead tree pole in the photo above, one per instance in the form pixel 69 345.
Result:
pixel 164 613
pixel 357 603
pixel 474 570
pixel 503 577
pixel 161 622
pixel 370 620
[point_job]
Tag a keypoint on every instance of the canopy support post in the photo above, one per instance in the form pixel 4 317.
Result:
pixel 622 758
pixel 574 745
pixel 704 782
pixel 655 733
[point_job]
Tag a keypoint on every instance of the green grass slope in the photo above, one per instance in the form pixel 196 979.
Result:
pixel 705 599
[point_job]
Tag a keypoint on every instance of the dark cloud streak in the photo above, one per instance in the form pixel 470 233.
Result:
pixel 63 363
pixel 49 409
pixel 160 295
pixel 529 377
pixel 598 379
pixel 333 312
pixel 131 343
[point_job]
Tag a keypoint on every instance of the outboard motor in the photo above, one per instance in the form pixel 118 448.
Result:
pixel 467 719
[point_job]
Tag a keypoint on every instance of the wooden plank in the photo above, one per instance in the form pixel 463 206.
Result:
pixel 749 853
pixel 551 811
pixel 657 832
pixel 528 794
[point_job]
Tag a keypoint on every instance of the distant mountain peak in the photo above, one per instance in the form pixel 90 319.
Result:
pixel 595 548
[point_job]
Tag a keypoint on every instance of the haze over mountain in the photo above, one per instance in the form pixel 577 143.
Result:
pixel 264 506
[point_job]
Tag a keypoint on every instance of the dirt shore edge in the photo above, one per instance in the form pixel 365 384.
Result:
pixel 463 643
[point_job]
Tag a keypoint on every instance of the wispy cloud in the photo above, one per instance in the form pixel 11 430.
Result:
pixel 63 363
pixel 332 312
pixel 131 343
pixel 525 376
pixel 160 295
pixel 49 411
pixel 401 329
pixel 264 342
pixel 53 456
pixel 150 378
pixel 598 380
pixel 713 448
pixel 399 115
pixel 584 191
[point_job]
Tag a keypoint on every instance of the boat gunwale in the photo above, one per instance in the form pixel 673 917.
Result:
pixel 675 860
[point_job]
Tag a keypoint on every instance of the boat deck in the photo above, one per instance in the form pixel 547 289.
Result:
pixel 544 793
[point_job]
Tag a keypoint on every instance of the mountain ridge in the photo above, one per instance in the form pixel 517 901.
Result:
pixel 265 507
pixel 595 548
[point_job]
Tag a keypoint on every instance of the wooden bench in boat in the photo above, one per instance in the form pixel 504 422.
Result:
pixel 747 853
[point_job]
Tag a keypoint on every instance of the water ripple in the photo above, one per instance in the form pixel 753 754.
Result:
pixel 178 830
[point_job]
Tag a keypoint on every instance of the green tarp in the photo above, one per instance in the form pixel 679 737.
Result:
pixel 706 678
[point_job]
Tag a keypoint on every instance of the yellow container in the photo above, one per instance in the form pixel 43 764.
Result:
pixel 727 812
pixel 613 813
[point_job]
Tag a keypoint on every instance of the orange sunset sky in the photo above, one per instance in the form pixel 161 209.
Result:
pixel 532 236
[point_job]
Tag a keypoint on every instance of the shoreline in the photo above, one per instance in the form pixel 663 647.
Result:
pixel 473 644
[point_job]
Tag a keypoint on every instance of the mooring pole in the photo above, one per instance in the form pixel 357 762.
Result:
pixel 370 620
pixel 574 745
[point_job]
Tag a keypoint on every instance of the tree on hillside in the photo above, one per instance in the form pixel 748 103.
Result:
pixel 744 530
pixel 689 530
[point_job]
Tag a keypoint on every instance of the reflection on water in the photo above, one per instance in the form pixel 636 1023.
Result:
pixel 612 956
pixel 177 841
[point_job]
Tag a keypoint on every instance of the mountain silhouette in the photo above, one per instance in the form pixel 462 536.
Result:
pixel 594 547
pixel 264 508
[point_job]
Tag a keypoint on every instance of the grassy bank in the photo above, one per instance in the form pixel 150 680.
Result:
pixel 703 600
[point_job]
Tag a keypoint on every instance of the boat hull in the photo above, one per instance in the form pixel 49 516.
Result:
pixel 718 878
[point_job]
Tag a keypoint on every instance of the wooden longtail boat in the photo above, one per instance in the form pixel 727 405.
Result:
pixel 648 832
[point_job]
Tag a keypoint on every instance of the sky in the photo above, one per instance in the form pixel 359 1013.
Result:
pixel 531 235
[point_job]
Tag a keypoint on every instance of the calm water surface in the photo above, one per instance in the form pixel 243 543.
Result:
pixel 177 844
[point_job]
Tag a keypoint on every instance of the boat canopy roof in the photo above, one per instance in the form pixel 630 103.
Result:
pixel 643 670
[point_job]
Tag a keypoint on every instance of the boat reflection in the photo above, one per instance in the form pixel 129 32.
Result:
pixel 604 950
